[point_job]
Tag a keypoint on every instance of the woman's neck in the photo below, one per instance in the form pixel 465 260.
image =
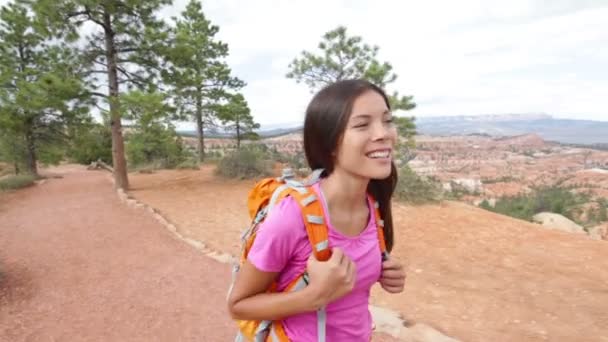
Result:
pixel 344 191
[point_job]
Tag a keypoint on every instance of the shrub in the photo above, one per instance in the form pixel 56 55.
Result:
pixel 90 144
pixel 155 145
pixel 602 210
pixel 191 164
pixel 16 182
pixel 503 179
pixel 412 188
pixel 247 162
pixel 553 199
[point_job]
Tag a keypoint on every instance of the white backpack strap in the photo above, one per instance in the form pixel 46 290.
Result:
pixel 314 176
pixel 321 324
pixel 289 183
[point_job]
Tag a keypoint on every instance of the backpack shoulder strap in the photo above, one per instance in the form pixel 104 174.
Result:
pixel 316 227
pixel 314 221
pixel 380 227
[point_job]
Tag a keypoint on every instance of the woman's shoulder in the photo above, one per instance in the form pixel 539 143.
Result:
pixel 279 237
pixel 286 216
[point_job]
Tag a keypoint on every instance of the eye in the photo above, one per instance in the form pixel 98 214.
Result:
pixel 360 125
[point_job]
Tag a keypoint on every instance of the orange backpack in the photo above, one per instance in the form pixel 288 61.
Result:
pixel 264 195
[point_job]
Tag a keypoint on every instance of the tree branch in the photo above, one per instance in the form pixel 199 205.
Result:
pixel 130 77
pixel 127 50
pixel 91 72
pixel 87 13
pixel 94 93
pixel 100 63
pixel 96 21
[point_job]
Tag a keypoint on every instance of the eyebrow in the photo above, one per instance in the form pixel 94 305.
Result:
pixel 365 116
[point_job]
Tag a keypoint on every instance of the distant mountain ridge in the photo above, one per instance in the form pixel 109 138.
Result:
pixel 565 131
pixel 264 132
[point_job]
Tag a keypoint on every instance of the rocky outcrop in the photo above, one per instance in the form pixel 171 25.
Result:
pixel 599 232
pixel 558 222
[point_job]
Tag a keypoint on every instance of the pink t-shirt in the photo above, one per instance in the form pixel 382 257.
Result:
pixel 282 246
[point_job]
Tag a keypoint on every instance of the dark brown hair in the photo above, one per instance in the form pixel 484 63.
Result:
pixel 326 117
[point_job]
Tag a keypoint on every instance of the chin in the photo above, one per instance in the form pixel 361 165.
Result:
pixel 382 175
pixel 377 173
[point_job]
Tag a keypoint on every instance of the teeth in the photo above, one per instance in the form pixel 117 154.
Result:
pixel 379 154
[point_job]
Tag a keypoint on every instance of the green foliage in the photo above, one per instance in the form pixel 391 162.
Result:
pixel 197 72
pixel 245 163
pixel 458 191
pixel 145 108
pixel 125 42
pixel 346 57
pixel 294 161
pixel 236 117
pixel 43 93
pixel 600 213
pixel 412 188
pixel 154 140
pixel 12 149
pixel 406 129
pixel 502 179
pixel 155 144
pixel 91 142
pixel 553 199
pixel 16 182
pixel 485 205
pixel 191 164
pixel 213 155
pixel 51 154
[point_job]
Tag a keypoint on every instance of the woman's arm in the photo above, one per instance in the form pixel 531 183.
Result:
pixel 329 281
pixel 250 301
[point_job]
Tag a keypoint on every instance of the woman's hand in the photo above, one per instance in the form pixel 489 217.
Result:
pixel 331 279
pixel 392 279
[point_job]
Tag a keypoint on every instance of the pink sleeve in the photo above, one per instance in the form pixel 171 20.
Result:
pixel 277 237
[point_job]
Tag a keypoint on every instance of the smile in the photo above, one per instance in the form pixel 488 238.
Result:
pixel 379 154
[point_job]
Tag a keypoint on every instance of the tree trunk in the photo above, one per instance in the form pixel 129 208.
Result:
pixel 16 158
pixel 199 126
pixel 238 133
pixel 32 166
pixel 121 179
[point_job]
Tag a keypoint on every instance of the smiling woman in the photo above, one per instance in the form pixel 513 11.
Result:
pixel 349 136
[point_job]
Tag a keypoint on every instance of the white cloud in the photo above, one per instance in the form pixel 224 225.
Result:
pixel 455 57
pixel 465 57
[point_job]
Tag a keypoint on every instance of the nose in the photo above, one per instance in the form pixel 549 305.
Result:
pixel 380 131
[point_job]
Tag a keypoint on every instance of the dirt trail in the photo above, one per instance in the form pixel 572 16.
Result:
pixel 79 266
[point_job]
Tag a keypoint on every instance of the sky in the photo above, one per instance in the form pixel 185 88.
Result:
pixel 466 57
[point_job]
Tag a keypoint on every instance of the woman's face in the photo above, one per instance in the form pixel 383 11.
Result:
pixel 366 148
